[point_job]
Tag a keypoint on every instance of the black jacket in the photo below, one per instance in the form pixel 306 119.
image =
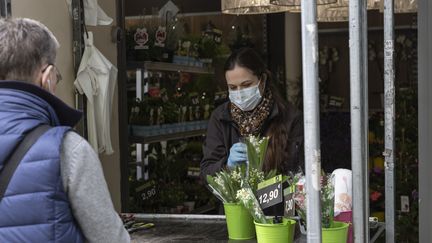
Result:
pixel 222 133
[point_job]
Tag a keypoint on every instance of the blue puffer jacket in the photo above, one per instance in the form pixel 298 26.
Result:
pixel 35 207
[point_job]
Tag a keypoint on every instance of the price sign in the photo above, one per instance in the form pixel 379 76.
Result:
pixel 270 192
pixel 147 190
pixel 193 172
pixel 289 202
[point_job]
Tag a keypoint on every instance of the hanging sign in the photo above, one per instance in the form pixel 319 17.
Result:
pixel 160 36
pixel 141 38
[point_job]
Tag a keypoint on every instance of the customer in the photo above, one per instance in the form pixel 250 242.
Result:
pixel 58 192
pixel 255 108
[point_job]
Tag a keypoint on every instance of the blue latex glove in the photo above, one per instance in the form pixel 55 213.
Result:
pixel 238 155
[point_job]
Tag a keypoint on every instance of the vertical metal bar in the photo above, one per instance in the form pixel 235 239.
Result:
pixel 425 118
pixel 265 33
pixel 5 8
pixel 311 118
pixel 389 117
pixel 139 146
pixel 145 167
pixel 78 49
pixel 359 117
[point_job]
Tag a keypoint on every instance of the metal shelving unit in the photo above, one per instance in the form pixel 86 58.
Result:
pixel 144 135
pixel 170 67
pixel 153 134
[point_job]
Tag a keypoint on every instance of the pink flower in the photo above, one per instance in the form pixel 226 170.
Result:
pixel 375 195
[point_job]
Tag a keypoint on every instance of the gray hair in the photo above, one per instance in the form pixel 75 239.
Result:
pixel 25 45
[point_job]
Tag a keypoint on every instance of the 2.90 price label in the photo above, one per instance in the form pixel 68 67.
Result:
pixel 270 192
pixel 147 190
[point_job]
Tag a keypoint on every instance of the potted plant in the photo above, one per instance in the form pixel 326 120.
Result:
pixel 237 188
pixel 226 184
pixel 332 231
pixel 268 230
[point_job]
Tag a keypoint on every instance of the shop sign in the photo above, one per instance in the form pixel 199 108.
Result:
pixel 160 36
pixel 141 38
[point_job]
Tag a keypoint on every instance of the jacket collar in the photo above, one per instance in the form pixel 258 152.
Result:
pixel 67 115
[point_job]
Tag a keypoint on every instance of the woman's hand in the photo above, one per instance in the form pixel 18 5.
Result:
pixel 238 155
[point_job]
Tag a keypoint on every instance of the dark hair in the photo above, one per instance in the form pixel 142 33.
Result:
pixel 277 152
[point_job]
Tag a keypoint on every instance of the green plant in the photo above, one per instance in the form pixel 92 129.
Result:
pixel 327 198
pixel 246 196
pixel 256 151
pixel 226 183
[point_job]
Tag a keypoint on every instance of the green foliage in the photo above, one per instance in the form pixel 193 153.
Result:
pixel 326 196
pixel 256 151
pixel 223 187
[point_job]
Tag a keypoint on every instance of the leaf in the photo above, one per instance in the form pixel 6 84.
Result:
pixel 210 181
pixel 253 157
pixel 270 174
pixel 231 195
pixel 217 190
pixel 263 150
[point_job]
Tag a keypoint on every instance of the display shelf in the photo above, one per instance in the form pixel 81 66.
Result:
pixel 152 134
pixel 172 67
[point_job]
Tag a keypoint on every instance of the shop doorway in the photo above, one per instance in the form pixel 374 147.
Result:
pixel 173 79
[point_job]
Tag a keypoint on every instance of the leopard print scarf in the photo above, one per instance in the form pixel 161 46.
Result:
pixel 251 122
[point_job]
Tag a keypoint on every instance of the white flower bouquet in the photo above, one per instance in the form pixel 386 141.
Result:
pixel 327 198
pixel 227 183
pixel 239 184
pixel 256 151
pixel 249 201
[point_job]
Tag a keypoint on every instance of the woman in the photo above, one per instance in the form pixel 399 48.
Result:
pixel 254 108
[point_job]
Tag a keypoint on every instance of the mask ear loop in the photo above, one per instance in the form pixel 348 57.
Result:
pixel 49 84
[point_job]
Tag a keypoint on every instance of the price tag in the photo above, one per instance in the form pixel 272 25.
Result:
pixel 147 190
pixel 193 172
pixel 289 202
pixel 270 192
pixel 405 208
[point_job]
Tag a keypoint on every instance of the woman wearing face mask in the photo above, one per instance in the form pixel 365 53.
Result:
pixel 254 108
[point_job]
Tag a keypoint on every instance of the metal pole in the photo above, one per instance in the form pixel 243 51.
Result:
pixel 359 117
pixel 389 117
pixel 5 8
pixel 78 50
pixel 311 118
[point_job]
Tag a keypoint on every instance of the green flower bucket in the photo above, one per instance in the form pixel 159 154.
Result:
pixel 336 234
pixel 239 222
pixel 276 233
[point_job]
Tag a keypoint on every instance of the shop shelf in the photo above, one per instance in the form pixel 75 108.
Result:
pixel 172 67
pixel 157 133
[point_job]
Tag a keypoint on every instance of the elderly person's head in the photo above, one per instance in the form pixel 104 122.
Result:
pixel 28 52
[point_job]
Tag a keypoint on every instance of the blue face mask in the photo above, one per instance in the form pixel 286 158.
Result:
pixel 246 99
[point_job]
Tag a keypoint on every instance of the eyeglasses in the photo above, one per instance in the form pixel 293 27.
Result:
pixel 57 72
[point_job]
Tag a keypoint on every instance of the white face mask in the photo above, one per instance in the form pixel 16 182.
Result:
pixel 246 99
